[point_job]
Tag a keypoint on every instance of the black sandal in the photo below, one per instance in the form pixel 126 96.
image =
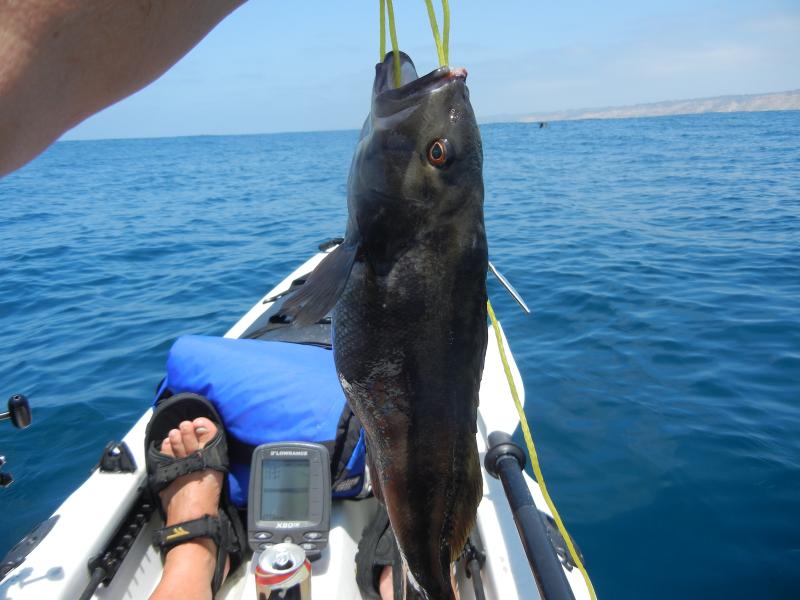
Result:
pixel 378 549
pixel 225 529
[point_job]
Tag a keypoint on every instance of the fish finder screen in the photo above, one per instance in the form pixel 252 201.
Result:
pixel 284 490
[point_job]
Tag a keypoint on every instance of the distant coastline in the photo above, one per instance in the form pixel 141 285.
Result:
pixel 719 104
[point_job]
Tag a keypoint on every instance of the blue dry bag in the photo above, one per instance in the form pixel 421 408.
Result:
pixel 271 392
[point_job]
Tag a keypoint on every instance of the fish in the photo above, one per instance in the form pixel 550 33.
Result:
pixel 407 290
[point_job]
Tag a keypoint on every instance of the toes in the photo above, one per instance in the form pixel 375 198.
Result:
pixel 205 429
pixel 190 444
pixel 176 441
pixel 166 447
pixel 189 437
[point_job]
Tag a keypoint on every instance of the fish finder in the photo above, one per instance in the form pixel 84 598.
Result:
pixel 289 500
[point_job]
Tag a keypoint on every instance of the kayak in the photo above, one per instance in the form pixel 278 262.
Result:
pixel 110 515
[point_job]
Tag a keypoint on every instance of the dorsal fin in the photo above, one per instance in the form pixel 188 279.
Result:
pixel 318 295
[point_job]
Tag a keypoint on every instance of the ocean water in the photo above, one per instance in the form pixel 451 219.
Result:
pixel 661 258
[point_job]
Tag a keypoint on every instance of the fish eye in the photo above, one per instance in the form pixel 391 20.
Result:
pixel 438 152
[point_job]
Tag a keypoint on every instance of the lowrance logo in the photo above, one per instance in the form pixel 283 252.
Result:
pixel 287 524
pixel 288 452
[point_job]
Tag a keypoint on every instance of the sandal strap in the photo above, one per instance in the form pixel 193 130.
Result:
pixel 168 469
pixel 167 538
pixel 219 529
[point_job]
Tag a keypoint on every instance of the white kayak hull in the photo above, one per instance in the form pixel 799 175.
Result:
pixel 90 517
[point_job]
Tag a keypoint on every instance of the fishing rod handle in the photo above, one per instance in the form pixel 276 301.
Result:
pixel 503 462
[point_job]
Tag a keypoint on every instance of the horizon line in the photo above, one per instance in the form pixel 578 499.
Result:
pixel 489 121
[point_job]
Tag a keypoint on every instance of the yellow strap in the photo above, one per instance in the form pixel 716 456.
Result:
pixel 537 471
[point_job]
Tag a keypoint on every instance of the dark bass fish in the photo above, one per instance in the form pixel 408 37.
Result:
pixel 409 327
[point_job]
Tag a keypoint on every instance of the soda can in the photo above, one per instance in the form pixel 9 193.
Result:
pixel 283 573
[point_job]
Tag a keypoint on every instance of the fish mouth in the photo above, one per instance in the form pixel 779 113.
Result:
pixel 410 84
pixel 432 81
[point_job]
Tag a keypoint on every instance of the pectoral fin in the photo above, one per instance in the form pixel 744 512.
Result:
pixel 318 295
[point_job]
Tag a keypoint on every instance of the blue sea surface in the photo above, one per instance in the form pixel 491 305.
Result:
pixel 661 258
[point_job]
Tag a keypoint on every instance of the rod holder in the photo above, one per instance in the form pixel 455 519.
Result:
pixel 19 411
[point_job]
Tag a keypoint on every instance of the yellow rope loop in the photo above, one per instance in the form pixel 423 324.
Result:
pixel 435 30
pixel 537 471
pixel 446 31
pixel 395 49
pixel 383 30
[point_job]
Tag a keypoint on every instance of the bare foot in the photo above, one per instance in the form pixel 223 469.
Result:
pixel 189 567
pixel 385 587
pixel 196 494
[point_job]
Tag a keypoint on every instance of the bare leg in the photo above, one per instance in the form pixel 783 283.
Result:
pixel 189 567
pixel 64 60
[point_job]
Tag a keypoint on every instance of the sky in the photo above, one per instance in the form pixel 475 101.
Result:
pixel 288 66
